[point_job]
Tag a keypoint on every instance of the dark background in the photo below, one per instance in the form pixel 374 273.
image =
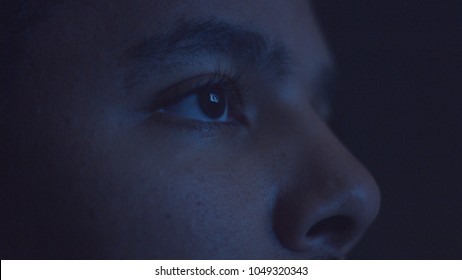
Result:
pixel 399 109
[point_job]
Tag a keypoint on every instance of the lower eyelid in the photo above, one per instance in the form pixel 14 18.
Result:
pixel 185 125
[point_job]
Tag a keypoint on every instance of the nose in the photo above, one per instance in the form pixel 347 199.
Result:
pixel 328 200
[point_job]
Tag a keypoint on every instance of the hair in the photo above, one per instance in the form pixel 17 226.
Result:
pixel 16 19
pixel 13 23
pixel 17 16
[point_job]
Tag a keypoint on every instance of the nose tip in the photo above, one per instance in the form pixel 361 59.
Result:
pixel 326 223
pixel 327 206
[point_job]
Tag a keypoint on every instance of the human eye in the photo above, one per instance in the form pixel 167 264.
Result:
pixel 206 101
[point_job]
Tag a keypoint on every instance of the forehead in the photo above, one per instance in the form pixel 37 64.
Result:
pixel 85 37
pixel 120 21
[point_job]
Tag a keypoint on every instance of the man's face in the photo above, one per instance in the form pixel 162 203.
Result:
pixel 181 129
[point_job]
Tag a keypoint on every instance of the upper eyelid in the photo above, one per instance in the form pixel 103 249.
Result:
pixel 176 91
pixel 183 89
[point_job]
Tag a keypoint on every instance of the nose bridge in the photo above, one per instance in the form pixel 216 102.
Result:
pixel 329 199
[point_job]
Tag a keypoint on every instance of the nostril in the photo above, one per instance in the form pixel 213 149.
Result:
pixel 335 231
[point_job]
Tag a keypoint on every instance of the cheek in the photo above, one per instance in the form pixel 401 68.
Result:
pixel 185 200
pixel 173 199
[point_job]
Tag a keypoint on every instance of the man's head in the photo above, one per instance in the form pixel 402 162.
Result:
pixel 176 129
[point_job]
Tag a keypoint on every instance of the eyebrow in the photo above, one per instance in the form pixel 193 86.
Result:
pixel 195 39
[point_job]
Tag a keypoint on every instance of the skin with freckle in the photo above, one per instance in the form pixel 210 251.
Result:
pixel 89 172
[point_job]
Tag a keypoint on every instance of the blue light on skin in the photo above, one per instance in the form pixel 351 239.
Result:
pixel 90 179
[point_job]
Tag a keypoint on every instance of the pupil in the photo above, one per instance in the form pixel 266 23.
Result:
pixel 212 104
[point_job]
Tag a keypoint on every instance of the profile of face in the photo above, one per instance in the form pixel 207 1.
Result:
pixel 177 129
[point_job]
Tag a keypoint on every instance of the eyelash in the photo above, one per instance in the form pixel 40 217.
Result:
pixel 232 83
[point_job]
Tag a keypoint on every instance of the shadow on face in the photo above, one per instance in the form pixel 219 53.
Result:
pixel 177 129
